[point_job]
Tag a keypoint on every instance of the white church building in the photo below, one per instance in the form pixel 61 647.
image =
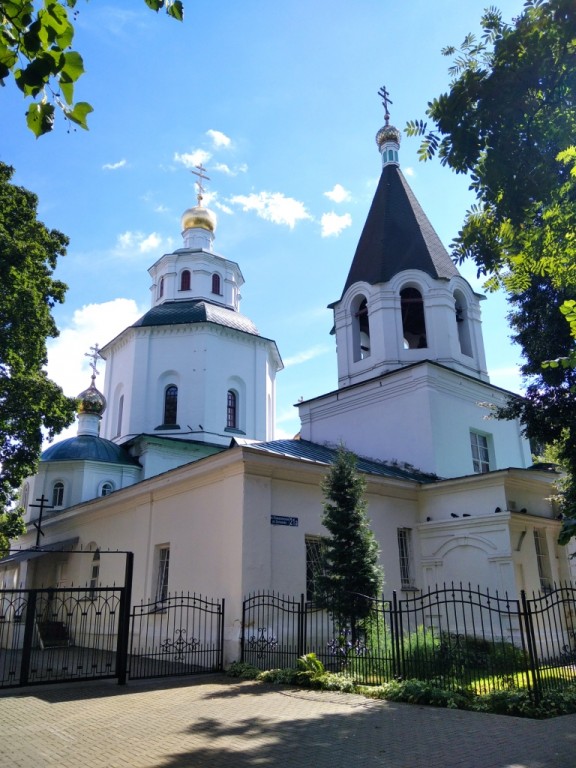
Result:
pixel 176 461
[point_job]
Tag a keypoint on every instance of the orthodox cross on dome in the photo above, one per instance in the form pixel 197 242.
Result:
pixel 201 173
pixel 385 96
pixel 94 354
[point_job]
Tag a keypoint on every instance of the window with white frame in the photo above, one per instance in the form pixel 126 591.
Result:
pixel 162 573
pixel 95 570
pixel 58 494
pixel 314 551
pixel 543 559
pixel 480 445
pixel 405 558
pixel 106 488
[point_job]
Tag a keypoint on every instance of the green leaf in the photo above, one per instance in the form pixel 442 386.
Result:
pixel 73 65
pixel 155 5
pixel 40 118
pixel 79 114
pixel 176 10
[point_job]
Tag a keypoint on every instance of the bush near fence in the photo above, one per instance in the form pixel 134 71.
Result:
pixel 456 637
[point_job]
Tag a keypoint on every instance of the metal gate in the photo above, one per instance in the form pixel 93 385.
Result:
pixel 61 634
pixel 180 635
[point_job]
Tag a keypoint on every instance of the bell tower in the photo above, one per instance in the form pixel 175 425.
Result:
pixel 404 300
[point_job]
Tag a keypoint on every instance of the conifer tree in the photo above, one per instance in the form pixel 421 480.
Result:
pixel 350 574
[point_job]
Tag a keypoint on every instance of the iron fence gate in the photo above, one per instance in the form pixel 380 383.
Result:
pixel 181 635
pixel 455 635
pixel 61 634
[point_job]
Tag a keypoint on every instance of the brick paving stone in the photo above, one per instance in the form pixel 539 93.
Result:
pixel 213 722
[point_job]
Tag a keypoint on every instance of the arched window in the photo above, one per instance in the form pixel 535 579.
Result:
pixel 360 329
pixel 170 404
pixel 58 494
pixel 413 322
pixel 95 570
pixel 161 288
pixel 106 488
pixel 232 410
pixel 216 287
pixel 120 414
pixel 185 280
pixel 463 323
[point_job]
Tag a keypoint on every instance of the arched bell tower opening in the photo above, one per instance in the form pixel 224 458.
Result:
pixel 413 319
pixel 360 328
pixel 461 311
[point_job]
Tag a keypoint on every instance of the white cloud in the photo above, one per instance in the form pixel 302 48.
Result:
pixel 192 159
pixel 160 208
pixel 114 166
pixel 338 194
pixel 150 243
pixel 409 171
pixel 305 355
pixel 274 207
pixel 138 241
pixel 223 168
pixel 223 208
pixel 220 139
pixel 91 324
pixel 333 224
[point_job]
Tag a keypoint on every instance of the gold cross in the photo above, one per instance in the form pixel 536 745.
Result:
pixel 94 354
pixel 201 173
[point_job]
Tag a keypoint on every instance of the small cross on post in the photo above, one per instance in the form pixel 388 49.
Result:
pixel 94 354
pixel 385 96
pixel 38 523
pixel 201 173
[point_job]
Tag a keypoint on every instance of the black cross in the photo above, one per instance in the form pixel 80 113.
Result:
pixel 38 523
pixel 385 96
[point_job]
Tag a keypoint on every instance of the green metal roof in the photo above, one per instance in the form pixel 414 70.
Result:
pixel 196 311
pixel 88 448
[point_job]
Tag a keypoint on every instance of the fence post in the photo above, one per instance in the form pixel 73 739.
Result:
pixel 124 621
pixel 301 626
pixel 395 631
pixel 28 636
pixel 242 630
pixel 221 634
pixel 531 644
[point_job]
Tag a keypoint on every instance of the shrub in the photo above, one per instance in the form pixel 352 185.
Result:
pixel 242 670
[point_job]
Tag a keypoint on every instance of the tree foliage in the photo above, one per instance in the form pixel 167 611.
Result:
pixel 36 50
pixel 30 403
pixel 509 121
pixel 350 573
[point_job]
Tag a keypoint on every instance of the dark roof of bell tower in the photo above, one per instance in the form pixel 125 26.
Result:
pixel 397 236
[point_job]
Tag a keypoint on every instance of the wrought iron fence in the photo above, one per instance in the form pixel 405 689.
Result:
pixel 49 635
pixel 180 635
pixel 454 635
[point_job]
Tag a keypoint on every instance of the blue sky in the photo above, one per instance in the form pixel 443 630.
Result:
pixel 279 102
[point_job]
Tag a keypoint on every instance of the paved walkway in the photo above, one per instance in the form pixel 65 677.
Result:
pixel 213 722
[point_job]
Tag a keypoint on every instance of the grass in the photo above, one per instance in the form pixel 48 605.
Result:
pixel 515 697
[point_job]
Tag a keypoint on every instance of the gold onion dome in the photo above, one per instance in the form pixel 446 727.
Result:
pixel 91 401
pixel 387 133
pixel 199 217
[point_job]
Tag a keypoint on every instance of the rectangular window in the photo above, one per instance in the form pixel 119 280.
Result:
pixel 162 574
pixel 405 558
pixel 480 452
pixel 314 547
pixel 543 559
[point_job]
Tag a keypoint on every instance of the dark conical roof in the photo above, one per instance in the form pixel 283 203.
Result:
pixel 397 236
pixel 88 448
